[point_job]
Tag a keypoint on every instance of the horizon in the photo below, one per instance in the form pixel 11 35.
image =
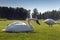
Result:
pixel 41 5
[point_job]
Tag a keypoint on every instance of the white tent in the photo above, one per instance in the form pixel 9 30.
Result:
pixel 17 27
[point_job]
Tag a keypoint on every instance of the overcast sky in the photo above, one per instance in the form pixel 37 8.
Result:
pixel 41 5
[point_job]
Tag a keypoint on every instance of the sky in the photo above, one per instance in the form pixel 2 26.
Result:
pixel 41 5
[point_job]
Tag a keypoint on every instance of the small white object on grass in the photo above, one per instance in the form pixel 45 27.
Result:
pixel 50 22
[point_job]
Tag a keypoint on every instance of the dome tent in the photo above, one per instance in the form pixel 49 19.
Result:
pixel 17 27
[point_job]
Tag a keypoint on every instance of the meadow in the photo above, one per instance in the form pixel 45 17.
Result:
pixel 41 32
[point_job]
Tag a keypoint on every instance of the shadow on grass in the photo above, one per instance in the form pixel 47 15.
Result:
pixel 20 32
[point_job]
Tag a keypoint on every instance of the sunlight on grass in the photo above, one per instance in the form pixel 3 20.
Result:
pixel 41 32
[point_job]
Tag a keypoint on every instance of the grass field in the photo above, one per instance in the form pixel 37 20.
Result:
pixel 41 32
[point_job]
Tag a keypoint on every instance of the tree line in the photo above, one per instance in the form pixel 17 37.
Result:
pixel 54 14
pixel 13 13
pixel 21 13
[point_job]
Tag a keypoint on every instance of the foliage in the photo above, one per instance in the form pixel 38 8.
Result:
pixel 51 14
pixel 13 13
pixel 35 13
pixel 21 13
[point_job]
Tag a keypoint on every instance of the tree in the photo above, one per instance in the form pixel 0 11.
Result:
pixel 13 13
pixel 28 15
pixel 40 16
pixel 35 13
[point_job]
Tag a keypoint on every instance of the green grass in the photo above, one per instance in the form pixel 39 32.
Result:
pixel 41 32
